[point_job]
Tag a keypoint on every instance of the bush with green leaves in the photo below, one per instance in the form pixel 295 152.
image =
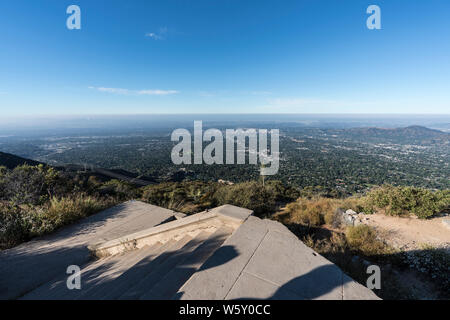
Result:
pixel 35 200
pixel 119 189
pixel 187 197
pixel 251 195
pixel 63 211
pixel 21 223
pixel 13 229
pixel 399 201
pixel 32 184
pixel 194 196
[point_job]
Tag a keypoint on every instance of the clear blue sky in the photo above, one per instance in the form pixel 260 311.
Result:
pixel 224 56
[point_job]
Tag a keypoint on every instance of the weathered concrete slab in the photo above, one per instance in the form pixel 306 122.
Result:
pixel 354 291
pixel 298 269
pixel 31 264
pixel 233 212
pixel 150 216
pixel 133 276
pixel 174 279
pixel 250 287
pixel 271 263
pixel 216 277
pixel 272 225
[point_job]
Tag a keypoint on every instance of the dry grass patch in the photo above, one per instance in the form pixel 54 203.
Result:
pixel 317 211
pixel 364 240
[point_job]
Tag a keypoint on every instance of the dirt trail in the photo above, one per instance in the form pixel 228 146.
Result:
pixel 411 233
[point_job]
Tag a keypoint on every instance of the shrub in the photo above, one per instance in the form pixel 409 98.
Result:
pixel 33 184
pixel 399 201
pixel 63 211
pixel 12 227
pixel 282 192
pixel 21 223
pixel 194 196
pixel 363 239
pixel 187 197
pixel 251 195
pixel 314 212
pixel 306 212
pixel 118 189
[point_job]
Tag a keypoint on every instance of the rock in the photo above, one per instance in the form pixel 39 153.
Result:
pixel 446 223
pixel 349 217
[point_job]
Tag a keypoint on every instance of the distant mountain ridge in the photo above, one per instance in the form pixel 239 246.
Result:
pixel 11 161
pixel 411 134
pixel 418 131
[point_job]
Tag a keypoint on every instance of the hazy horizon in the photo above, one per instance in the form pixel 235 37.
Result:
pixel 136 122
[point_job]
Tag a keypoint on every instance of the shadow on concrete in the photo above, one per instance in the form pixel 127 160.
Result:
pixel 33 269
pixel 161 276
pixel 315 284
pixel 148 276
pixel 415 274
pixel 34 263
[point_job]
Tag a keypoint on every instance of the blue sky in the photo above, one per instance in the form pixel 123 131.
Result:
pixel 224 56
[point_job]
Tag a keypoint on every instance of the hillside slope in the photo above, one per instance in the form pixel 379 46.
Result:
pixel 11 161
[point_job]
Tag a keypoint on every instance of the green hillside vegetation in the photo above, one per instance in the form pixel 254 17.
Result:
pixel 400 201
pixel 316 210
pixel 318 222
pixel 196 196
pixel 36 200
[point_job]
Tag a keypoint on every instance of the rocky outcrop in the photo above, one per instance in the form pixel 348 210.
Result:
pixel 353 218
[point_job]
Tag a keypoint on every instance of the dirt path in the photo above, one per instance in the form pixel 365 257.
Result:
pixel 411 233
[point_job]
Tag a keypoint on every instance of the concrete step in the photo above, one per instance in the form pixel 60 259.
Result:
pixel 107 281
pixel 91 275
pixel 110 274
pixel 176 254
pixel 175 278
pixel 129 278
